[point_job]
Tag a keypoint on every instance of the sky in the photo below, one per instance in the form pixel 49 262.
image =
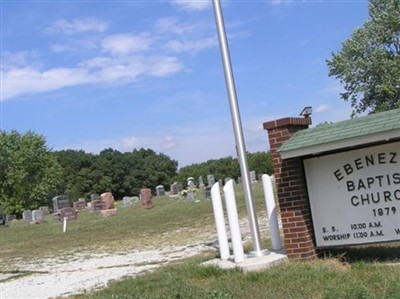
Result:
pixel 133 74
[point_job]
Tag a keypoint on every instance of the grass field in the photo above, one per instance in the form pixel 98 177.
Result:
pixel 371 272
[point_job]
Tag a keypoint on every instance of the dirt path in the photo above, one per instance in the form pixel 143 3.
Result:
pixel 53 278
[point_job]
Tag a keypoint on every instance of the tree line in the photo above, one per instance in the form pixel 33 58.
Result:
pixel 31 174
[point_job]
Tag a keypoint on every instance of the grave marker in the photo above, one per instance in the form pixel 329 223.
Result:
pixel 145 198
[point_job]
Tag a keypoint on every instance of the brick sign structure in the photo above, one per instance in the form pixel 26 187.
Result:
pixel 338 184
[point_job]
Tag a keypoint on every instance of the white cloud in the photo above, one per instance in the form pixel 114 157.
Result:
pixel 322 108
pixel 172 25
pixel 191 45
pixel 77 26
pixel 192 4
pixel 18 81
pixel 123 44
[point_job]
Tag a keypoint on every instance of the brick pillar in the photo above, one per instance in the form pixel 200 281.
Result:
pixel 291 189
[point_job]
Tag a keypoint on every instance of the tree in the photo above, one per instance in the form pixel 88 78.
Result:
pixel 29 174
pixel 369 62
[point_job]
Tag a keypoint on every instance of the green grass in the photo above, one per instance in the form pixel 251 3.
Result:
pixel 326 278
pixel 169 222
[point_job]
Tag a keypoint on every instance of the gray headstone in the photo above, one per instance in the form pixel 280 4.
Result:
pixel 210 180
pixel 207 192
pixel 61 201
pixel 37 216
pixel 94 197
pixel 126 201
pixel 221 185
pixel 160 190
pixel 27 216
pixel 45 210
pixel 179 188
pixel 82 199
pixel 201 182
pixel 135 199
pixel 253 178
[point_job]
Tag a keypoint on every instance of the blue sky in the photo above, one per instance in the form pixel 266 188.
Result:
pixel 129 74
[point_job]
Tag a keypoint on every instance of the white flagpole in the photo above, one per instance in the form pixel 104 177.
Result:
pixel 237 127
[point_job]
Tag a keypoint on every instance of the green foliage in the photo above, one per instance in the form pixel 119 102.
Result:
pixel 29 175
pixel 260 162
pixel 112 171
pixel 369 62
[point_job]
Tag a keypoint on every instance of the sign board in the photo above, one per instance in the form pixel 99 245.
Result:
pixel 355 195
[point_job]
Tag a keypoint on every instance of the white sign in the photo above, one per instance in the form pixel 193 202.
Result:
pixel 355 195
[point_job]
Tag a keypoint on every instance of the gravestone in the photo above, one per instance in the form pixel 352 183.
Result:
pixel 160 190
pixel 59 202
pixel 190 194
pixel 82 199
pixel 79 205
pixel 253 178
pixel 37 216
pixel 174 189
pixel 135 199
pixel 108 200
pixel 210 180
pixel 126 202
pixel 27 216
pixel 179 188
pixel 201 182
pixel 45 210
pixel 207 192
pixel 221 185
pixel 145 198
pixel 68 213
pixel 96 205
pixel 94 197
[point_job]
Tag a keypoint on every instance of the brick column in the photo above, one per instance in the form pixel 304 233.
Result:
pixel 291 189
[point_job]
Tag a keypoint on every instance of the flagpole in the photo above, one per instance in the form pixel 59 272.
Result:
pixel 238 131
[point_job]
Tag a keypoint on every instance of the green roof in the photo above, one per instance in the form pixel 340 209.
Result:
pixel 365 129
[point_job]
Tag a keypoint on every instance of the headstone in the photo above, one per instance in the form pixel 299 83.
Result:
pixel 220 184
pixel 37 216
pixel 160 190
pixel 227 180
pixel 174 189
pixel 207 192
pixel 135 199
pixel 68 213
pixel 190 193
pixel 82 200
pixel 59 202
pixel 210 180
pixel 126 202
pixel 79 205
pixel 145 198
pixel 201 183
pixel 96 205
pixel 10 218
pixel 108 200
pixel 27 216
pixel 179 188
pixel 253 178
pixel 94 197
pixel 45 211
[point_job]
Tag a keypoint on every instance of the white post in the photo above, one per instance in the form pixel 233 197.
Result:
pixel 233 220
pixel 220 222
pixel 65 225
pixel 271 210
